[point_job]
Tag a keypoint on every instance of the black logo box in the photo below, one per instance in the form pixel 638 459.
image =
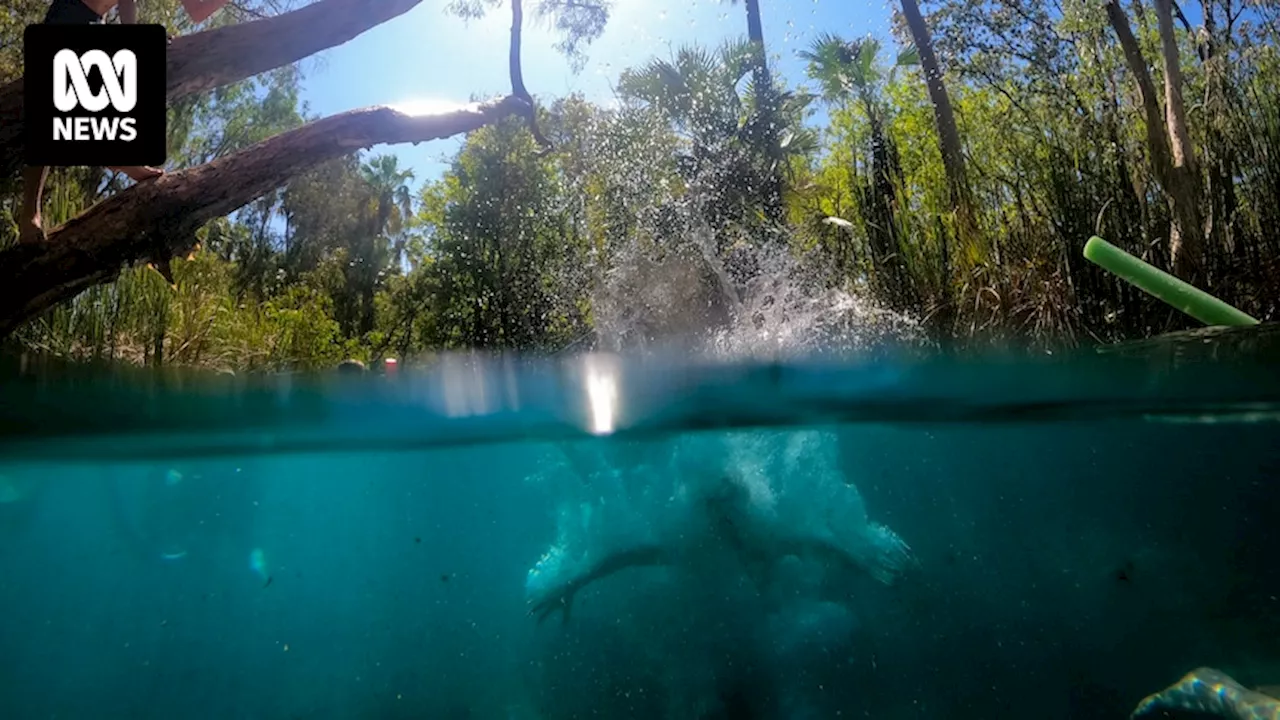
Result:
pixel 149 44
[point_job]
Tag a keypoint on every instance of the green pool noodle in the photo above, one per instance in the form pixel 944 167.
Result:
pixel 1183 296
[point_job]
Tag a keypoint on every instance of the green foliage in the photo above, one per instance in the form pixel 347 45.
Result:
pixel 294 329
pixel 721 154
pixel 501 261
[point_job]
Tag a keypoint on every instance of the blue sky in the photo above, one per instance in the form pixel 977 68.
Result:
pixel 427 56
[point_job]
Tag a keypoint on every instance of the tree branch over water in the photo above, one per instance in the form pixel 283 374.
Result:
pixel 221 56
pixel 157 220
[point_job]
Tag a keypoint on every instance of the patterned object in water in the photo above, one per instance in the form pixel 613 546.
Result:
pixel 1210 692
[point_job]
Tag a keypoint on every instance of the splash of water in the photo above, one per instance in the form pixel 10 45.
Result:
pixel 680 280
pixel 734 294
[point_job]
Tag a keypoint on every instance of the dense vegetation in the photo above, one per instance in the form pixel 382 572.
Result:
pixel 954 181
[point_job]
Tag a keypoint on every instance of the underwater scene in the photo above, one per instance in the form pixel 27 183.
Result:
pixel 598 537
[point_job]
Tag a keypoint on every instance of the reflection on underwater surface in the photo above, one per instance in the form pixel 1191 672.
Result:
pixel 887 542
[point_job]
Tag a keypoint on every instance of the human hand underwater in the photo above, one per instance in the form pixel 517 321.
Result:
pixel 559 598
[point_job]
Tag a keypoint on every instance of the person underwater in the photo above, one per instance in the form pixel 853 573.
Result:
pixel 728 525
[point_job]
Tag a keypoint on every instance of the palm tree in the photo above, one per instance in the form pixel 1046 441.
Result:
pixel 697 92
pixel 392 203
pixel 846 67
pixel 755 34
pixel 390 186
pixel 767 123
pixel 845 70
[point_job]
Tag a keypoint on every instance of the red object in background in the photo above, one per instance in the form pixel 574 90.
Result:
pixel 391 365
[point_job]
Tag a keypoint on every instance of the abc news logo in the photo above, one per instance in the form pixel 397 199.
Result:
pixel 71 91
pixel 95 94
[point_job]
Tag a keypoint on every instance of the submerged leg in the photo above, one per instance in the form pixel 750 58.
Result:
pixel 561 597
pixel 887 559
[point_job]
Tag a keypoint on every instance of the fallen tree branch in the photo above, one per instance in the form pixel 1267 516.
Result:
pixel 206 60
pixel 158 219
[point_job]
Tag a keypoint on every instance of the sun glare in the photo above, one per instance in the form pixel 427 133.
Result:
pixel 602 393
pixel 429 106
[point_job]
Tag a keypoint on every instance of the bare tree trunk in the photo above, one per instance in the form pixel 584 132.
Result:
pixel 944 115
pixel 158 219
pixel 1186 246
pixel 1176 110
pixel 755 33
pixel 1218 155
pixel 221 56
pixel 768 111
pixel 1171 162
pixel 951 148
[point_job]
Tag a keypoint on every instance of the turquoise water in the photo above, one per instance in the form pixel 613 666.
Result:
pixel 1048 537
